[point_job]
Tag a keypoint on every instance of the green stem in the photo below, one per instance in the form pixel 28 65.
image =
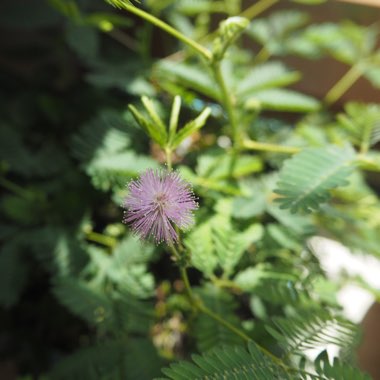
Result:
pixel 255 145
pixel 124 39
pixel 108 241
pixel 168 154
pixel 226 100
pixel 164 26
pixel 16 189
pixel 229 107
pixel 263 55
pixel 344 83
pixel 199 305
pixel 257 8
pixel 223 322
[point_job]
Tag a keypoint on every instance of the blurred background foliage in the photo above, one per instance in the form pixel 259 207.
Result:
pixel 83 299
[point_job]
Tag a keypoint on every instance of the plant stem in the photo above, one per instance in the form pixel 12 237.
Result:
pixel 226 100
pixel 16 189
pixel 108 241
pixel 257 8
pixel 228 105
pixel 344 83
pixel 124 39
pixel 164 26
pixel 223 322
pixel 199 305
pixel 265 147
pixel 168 154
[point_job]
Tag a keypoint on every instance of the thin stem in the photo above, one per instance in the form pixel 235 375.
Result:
pixel 164 26
pixel 254 10
pixel 265 147
pixel 344 83
pixel 229 107
pixel 249 13
pixel 189 290
pixel 168 154
pixel 223 322
pixel 199 305
pixel 16 189
pixel 108 241
pixel 124 39
pixel 226 100
pixel 263 55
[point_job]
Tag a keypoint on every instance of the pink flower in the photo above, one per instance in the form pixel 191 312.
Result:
pixel 158 201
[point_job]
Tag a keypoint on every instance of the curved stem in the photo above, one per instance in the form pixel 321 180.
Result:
pixel 344 83
pixel 164 26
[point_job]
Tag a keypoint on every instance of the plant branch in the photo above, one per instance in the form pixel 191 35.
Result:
pixel 108 241
pixel 164 26
pixel 226 100
pixel 257 8
pixel 16 189
pixel 265 147
pixel 344 83
pixel 124 39
pixel 249 13
pixel 200 306
pixel 168 154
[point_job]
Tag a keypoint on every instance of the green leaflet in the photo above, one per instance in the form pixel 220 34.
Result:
pixel 191 127
pixel 282 100
pixel 193 77
pixel 306 179
pixel 267 75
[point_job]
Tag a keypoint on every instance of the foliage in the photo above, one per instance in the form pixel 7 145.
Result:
pixel 241 294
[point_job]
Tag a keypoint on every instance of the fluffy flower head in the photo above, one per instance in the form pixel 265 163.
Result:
pixel 157 202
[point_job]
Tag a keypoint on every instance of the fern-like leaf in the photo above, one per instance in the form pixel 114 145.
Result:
pixel 362 122
pixel 215 242
pixel 306 179
pixel 311 330
pixel 228 363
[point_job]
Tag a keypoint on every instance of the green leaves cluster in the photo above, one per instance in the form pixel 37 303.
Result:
pixel 272 168
pixel 167 137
